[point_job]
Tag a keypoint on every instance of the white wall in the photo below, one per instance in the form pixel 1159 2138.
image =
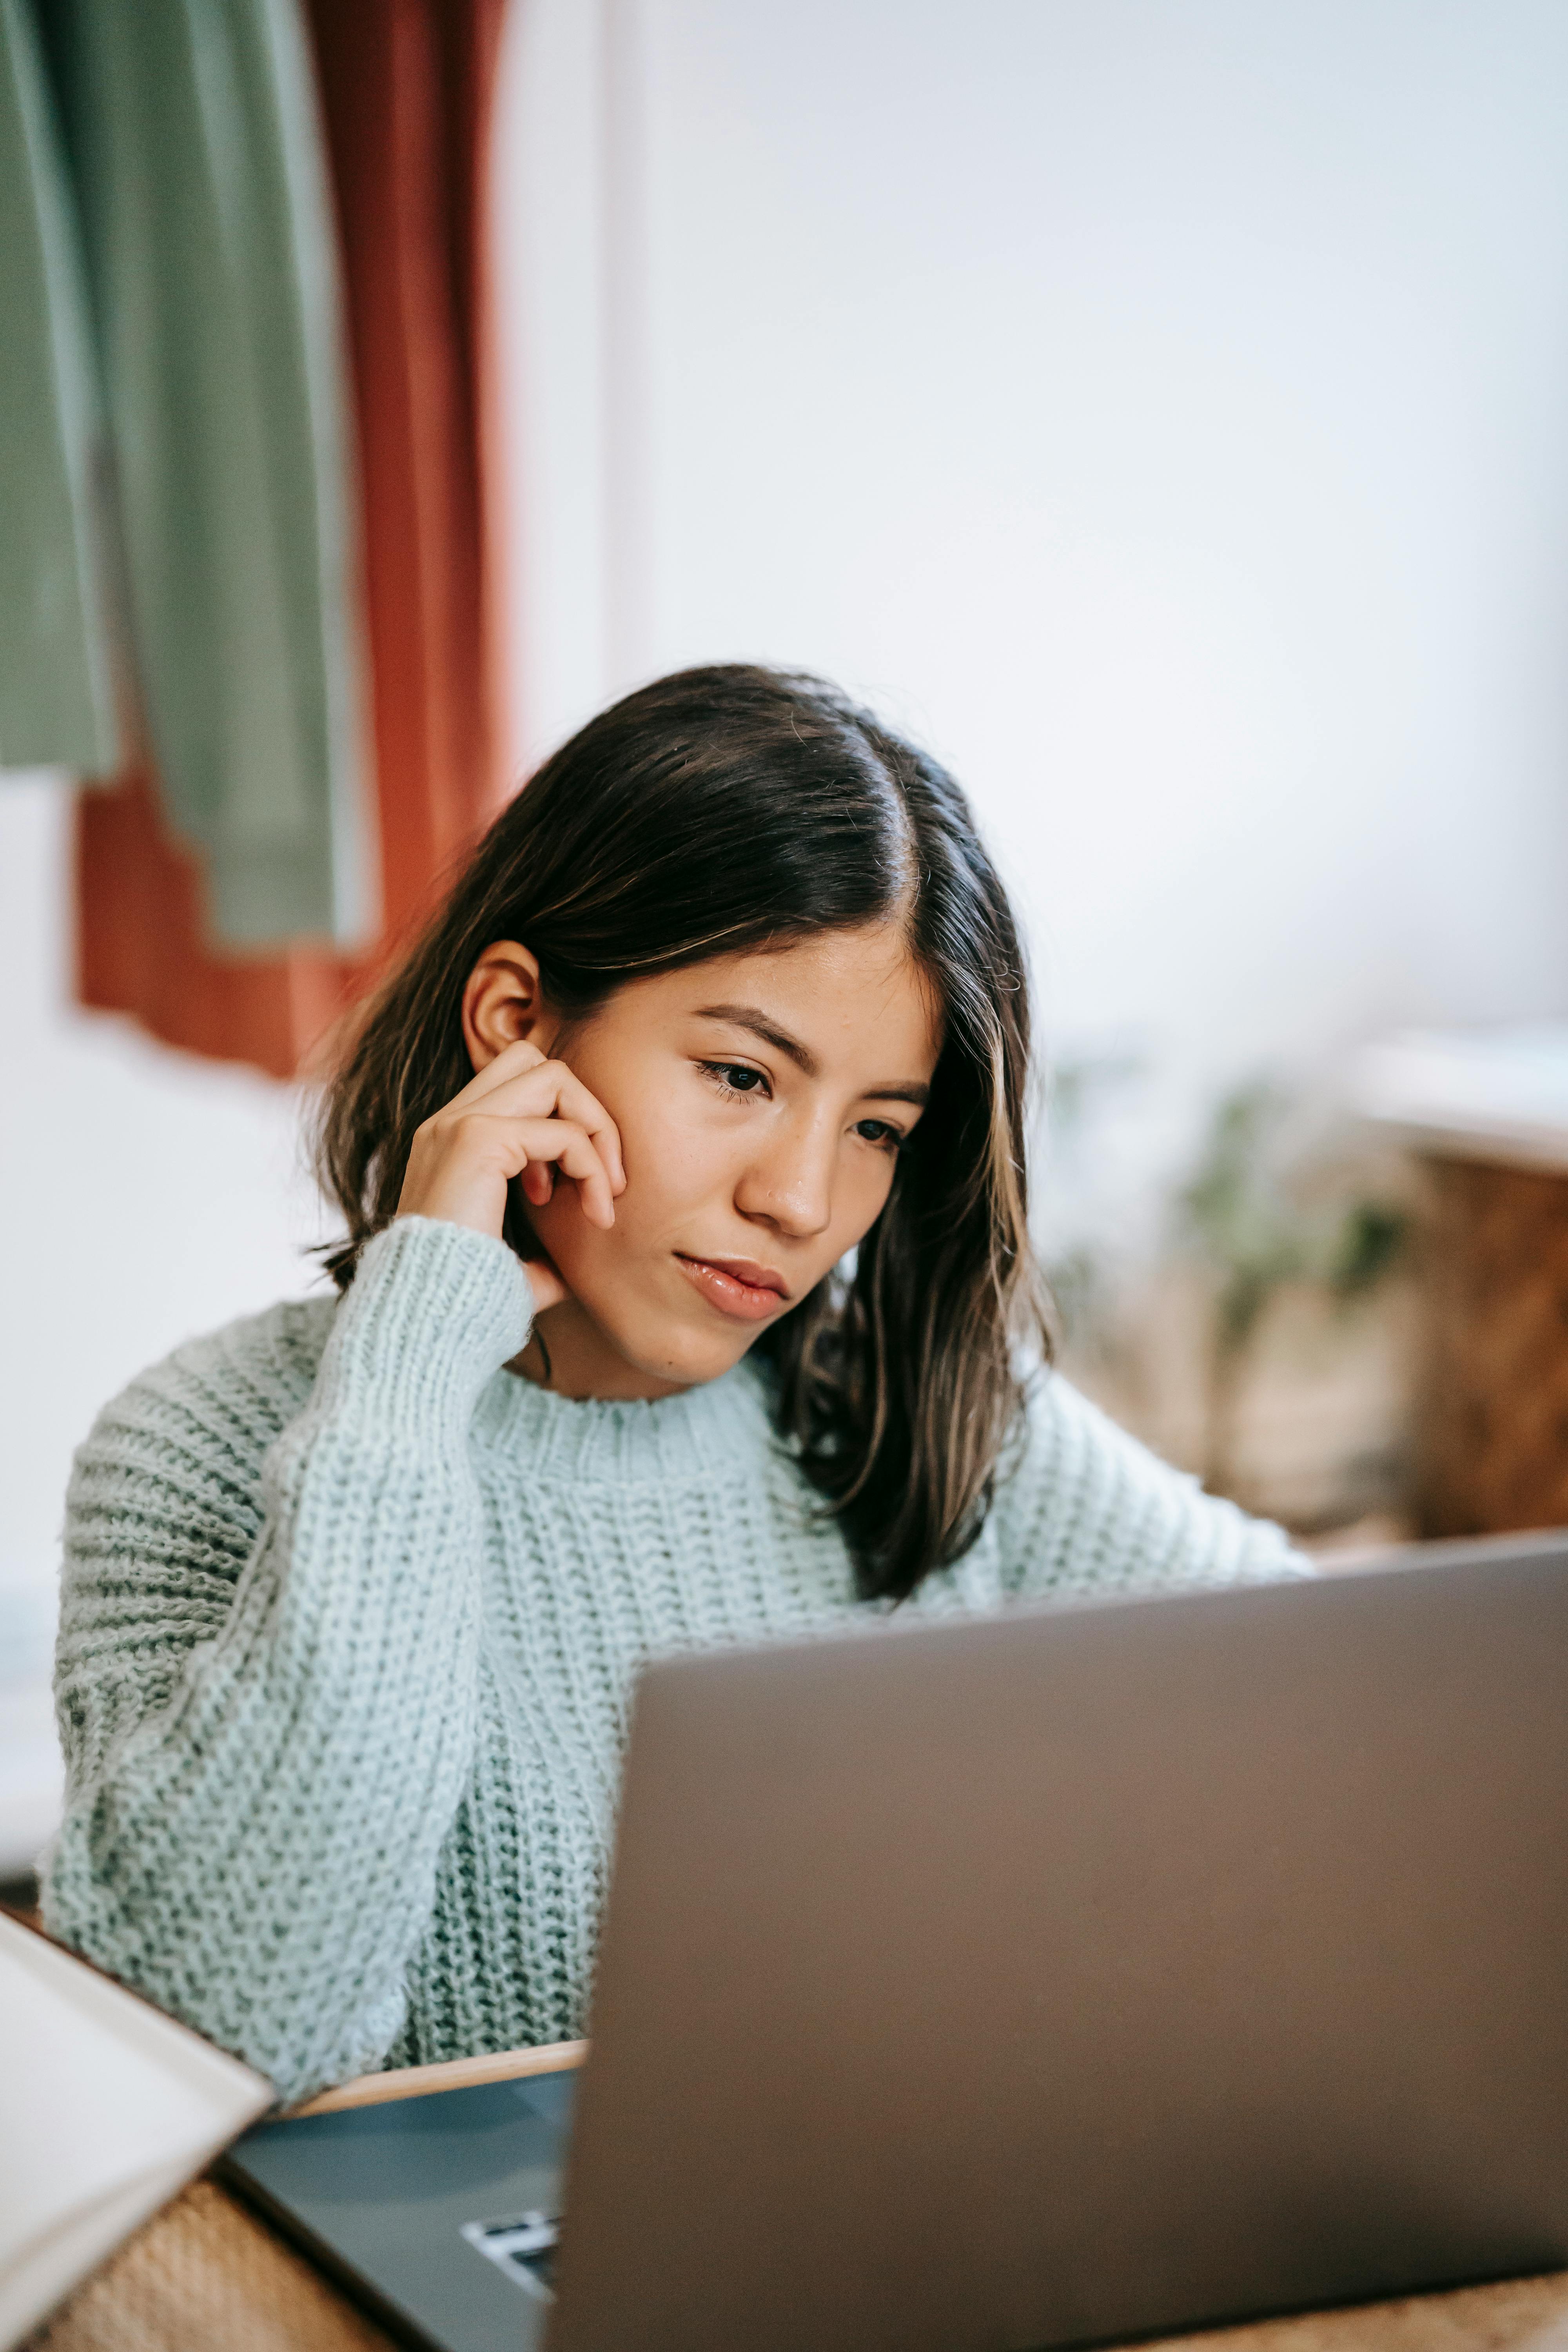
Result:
pixel 144 1196
pixel 1159 404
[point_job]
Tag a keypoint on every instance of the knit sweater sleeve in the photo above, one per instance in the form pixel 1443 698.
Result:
pixel 1084 1510
pixel 266 1751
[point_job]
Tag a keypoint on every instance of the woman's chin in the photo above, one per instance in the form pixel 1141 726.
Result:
pixel 601 1345
pixel 684 1357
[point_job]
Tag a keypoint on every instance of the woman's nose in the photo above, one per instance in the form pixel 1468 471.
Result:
pixel 790 1184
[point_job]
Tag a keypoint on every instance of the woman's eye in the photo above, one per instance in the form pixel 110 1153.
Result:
pixel 881 1131
pixel 736 1077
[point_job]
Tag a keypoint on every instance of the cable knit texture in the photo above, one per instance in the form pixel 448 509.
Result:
pixel 350 1623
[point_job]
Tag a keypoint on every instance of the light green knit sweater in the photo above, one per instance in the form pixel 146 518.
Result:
pixel 350 1622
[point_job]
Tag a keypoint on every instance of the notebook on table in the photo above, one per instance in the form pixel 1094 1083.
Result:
pixel 107 2109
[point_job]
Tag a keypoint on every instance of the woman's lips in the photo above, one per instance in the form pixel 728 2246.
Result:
pixel 736 1286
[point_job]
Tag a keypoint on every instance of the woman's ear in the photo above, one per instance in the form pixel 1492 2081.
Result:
pixel 501 1001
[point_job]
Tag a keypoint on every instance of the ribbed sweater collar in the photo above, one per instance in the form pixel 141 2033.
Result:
pixel 695 1435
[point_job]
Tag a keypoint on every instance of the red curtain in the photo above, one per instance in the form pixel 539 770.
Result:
pixel 406 88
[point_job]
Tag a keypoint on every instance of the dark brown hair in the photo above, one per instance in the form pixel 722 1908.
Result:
pixel 714 812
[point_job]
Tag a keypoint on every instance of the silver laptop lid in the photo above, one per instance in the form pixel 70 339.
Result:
pixel 1074 1974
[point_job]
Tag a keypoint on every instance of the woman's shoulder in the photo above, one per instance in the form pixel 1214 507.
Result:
pixel 214 1404
pixel 1062 1425
pixel 1083 1506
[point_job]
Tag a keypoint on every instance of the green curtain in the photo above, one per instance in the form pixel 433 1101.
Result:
pixel 57 691
pixel 192 144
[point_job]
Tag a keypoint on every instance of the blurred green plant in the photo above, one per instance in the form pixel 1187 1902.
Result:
pixel 1259 1216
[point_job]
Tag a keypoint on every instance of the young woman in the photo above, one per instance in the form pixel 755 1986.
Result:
pixel 683 1300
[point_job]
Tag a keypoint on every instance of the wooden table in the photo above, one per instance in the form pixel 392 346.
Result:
pixel 209 2277
pixel 206 2276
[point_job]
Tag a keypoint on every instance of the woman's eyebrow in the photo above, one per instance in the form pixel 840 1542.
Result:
pixel 753 1017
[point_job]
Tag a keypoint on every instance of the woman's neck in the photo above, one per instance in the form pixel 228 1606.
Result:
pixel 568 1354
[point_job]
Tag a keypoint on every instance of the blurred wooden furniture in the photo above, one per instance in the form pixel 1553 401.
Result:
pixel 209 2277
pixel 1489 1115
pixel 1492 1400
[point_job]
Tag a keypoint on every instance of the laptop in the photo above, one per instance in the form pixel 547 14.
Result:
pixel 1042 1981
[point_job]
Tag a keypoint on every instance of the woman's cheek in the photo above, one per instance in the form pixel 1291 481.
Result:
pixel 680 1153
pixel 862 1201
pixel 569 1240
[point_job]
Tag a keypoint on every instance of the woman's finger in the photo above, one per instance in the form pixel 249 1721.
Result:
pixel 537 1183
pixel 485 1136
pixel 539 1088
pixel 575 1102
pixel 545 1283
pixel 566 1146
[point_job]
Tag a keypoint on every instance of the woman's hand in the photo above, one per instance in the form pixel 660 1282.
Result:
pixel 522 1116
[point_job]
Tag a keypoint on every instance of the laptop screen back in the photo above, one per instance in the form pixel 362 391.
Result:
pixel 1078 1974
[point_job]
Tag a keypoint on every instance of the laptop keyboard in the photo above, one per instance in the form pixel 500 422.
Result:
pixel 523 2247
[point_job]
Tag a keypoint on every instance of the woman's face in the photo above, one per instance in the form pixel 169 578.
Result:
pixel 762 1100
